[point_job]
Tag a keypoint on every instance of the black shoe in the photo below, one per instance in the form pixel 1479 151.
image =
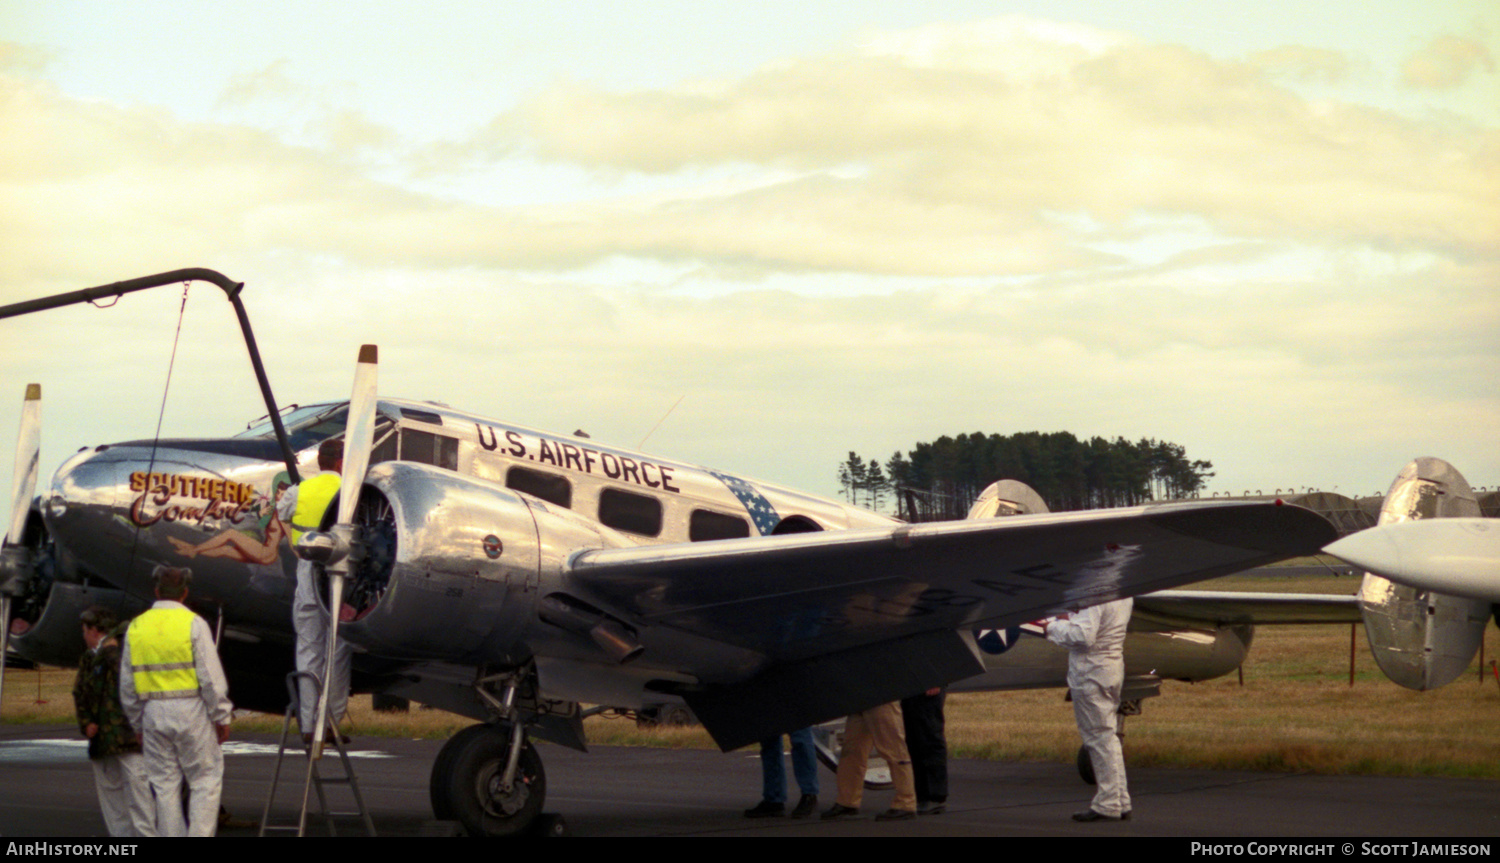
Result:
pixel 838 810
pixel 766 809
pixel 806 806
pixel 1094 815
pixel 932 807
pixel 897 815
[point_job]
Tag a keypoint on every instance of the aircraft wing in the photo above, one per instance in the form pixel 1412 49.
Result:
pixel 804 594
pixel 864 616
pixel 1170 609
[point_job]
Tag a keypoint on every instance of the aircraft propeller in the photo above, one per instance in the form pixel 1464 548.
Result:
pixel 15 557
pixel 346 550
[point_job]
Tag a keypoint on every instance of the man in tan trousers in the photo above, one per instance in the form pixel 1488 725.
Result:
pixel 879 727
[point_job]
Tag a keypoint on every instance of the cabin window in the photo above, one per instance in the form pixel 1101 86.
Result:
pixel 547 486
pixel 310 431
pixel 705 525
pixel 630 512
pixel 387 438
pixel 304 426
pixel 429 448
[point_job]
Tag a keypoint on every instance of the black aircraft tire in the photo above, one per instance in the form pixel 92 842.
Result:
pixel 439 786
pixel 1086 766
pixel 473 780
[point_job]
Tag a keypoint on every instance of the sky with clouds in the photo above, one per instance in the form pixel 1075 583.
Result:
pixel 1269 232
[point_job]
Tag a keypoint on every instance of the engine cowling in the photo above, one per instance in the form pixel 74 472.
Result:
pixel 455 565
pixel 44 625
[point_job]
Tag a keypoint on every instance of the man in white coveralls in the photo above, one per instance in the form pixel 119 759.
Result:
pixel 174 692
pixel 1095 639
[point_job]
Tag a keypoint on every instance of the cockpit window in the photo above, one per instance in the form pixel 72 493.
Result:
pixel 306 426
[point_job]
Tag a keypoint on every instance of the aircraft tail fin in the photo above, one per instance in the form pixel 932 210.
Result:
pixel 1007 497
pixel 1423 639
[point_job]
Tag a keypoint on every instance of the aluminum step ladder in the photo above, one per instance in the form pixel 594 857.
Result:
pixel 315 780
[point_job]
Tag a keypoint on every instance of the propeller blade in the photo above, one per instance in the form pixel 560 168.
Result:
pixel 359 435
pixel 28 452
pixel 23 486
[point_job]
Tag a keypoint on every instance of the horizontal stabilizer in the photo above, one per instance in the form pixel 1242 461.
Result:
pixel 1457 556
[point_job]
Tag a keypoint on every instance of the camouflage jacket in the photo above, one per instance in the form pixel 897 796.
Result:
pixel 96 697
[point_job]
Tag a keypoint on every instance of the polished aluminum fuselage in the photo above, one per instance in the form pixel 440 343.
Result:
pixel 116 511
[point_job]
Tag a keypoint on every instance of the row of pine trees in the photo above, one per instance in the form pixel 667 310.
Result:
pixel 939 480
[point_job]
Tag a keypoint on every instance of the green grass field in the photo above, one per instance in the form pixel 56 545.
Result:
pixel 1295 711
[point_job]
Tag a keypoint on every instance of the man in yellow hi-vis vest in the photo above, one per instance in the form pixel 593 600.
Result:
pixel 174 692
pixel 301 509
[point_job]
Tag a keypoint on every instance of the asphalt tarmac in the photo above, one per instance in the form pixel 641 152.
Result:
pixel 47 790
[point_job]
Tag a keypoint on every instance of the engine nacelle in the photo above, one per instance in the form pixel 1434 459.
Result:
pixel 455 565
pixel 44 623
pixel 56 637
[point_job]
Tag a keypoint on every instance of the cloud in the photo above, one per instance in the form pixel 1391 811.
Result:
pixel 1447 62
pixel 916 156
pixel 30 59
pixel 1307 65
pixel 1031 227
pixel 1122 129
pixel 272 82
pixel 348 131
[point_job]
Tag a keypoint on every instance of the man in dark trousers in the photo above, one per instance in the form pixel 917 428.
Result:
pixel 928 745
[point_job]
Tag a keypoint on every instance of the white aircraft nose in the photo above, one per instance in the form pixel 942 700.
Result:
pixel 1456 556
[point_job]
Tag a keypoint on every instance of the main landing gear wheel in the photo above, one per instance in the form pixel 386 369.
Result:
pixel 439 784
pixel 1086 766
pixel 466 783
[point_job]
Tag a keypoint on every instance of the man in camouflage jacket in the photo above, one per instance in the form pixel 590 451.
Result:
pixel 125 797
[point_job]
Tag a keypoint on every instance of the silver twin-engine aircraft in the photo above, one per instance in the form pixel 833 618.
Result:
pixel 512 575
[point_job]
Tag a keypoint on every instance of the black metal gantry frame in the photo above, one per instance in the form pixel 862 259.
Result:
pixel 193 274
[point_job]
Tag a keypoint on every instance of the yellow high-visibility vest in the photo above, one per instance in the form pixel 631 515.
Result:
pixel 161 653
pixel 313 496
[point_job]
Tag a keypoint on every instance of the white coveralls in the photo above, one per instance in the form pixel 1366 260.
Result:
pixel 178 737
pixel 124 791
pixel 310 622
pixel 1095 639
pixel 124 794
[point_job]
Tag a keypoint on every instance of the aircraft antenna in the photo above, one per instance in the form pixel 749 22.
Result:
pixel 662 420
